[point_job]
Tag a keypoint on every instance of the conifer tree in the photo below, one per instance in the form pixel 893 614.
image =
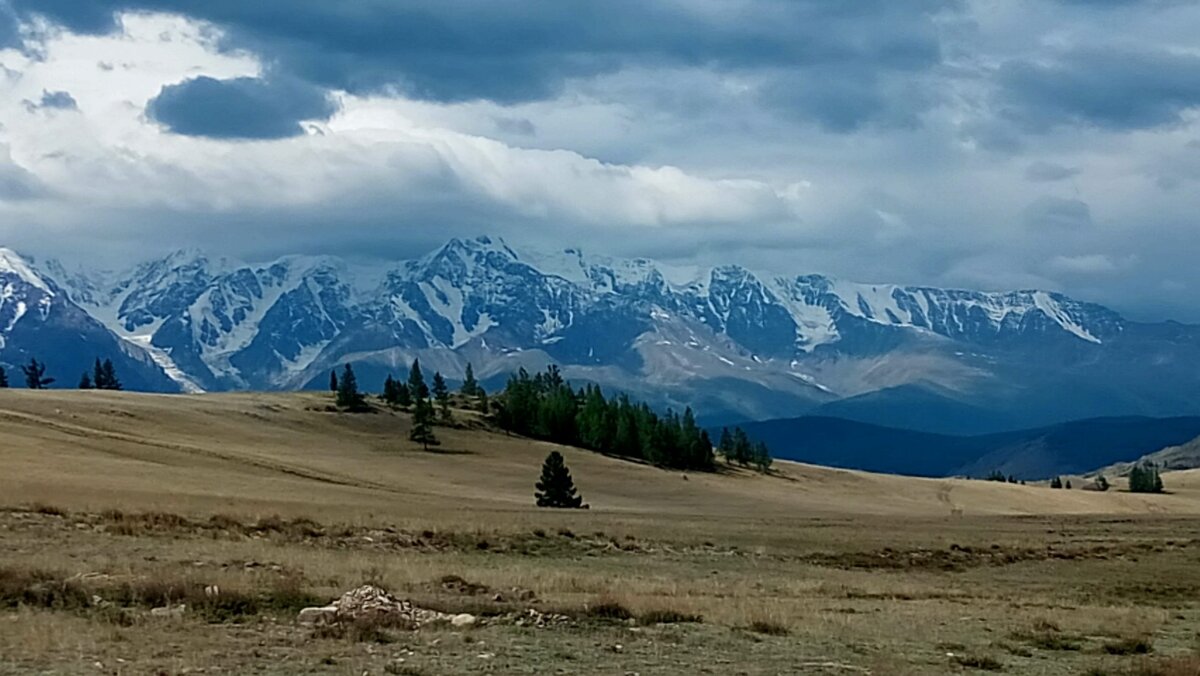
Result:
pixel 1144 478
pixel 743 450
pixel 333 381
pixel 484 405
pixel 391 391
pixel 348 396
pixel 422 423
pixel 441 394
pixel 556 488
pixel 403 397
pixel 417 388
pixel 104 375
pixel 35 375
pixel 762 457
pixel 3 378
pixel 85 381
pixel 470 387
pixel 98 374
pixel 1056 482
pixel 111 382
pixel 726 446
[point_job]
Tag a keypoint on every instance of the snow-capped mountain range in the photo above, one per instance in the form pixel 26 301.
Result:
pixel 729 341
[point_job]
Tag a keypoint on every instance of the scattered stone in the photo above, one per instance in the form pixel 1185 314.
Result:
pixel 318 615
pixel 371 603
pixel 463 620
pixel 169 611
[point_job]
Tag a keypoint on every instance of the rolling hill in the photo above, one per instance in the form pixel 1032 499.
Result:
pixel 1067 448
pixel 287 454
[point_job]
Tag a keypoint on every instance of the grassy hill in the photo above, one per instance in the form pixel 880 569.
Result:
pixel 180 534
pixel 1066 448
pixel 287 453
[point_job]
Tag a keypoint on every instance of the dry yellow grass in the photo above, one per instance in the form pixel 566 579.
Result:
pixel 284 453
pixel 865 573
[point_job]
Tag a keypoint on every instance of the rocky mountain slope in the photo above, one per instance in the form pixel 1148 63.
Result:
pixel 731 342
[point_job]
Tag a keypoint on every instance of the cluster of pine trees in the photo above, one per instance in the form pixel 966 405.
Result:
pixel 736 447
pixel 429 405
pixel 1057 482
pixel 545 406
pixel 102 377
pixel 1144 478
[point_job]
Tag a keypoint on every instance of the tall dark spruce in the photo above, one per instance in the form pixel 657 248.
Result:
pixel 556 487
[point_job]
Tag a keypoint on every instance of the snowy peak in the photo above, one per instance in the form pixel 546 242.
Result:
pixel 16 268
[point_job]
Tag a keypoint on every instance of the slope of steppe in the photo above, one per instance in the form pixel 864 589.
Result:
pixel 182 534
pixel 289 454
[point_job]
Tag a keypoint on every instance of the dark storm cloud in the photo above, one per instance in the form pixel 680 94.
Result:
pixel 1040 172
pixel 1058 213
pixel 1107 88
pixel 241 108
pixel 511 51
pixel 846 98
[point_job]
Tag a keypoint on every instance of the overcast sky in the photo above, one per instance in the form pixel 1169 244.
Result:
pixel 1003 144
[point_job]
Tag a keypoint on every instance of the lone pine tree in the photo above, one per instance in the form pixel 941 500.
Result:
pixel 333 381
pixel 417 388
pixel 422 423
pixel 556 488
pixel 441 394
pixel 3 377
pixel 348 396
pixel 470 386
pixel 391 391
pixel 85 381
pixel 35 375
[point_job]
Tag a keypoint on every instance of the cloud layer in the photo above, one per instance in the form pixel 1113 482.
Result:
pixel 954 142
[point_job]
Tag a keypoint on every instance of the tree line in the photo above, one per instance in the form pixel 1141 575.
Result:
pixel 102 377
pixel 545 406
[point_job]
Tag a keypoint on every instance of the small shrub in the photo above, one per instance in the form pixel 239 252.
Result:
pixel 40 589
pixel 668 616
pixel 768 627
pixel 1129 646
pixel 48 510
pixel 981 662
pixel 609 610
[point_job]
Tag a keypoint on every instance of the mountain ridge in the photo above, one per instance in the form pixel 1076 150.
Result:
pixel 1074 447
pixel 733 342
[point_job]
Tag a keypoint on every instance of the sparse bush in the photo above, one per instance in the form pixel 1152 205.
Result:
pixel 768 628
pixel 48 510
pixel 609 609
pixel 981 662
pixel 1139 645
pixel 1046 635
pixel 668 616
